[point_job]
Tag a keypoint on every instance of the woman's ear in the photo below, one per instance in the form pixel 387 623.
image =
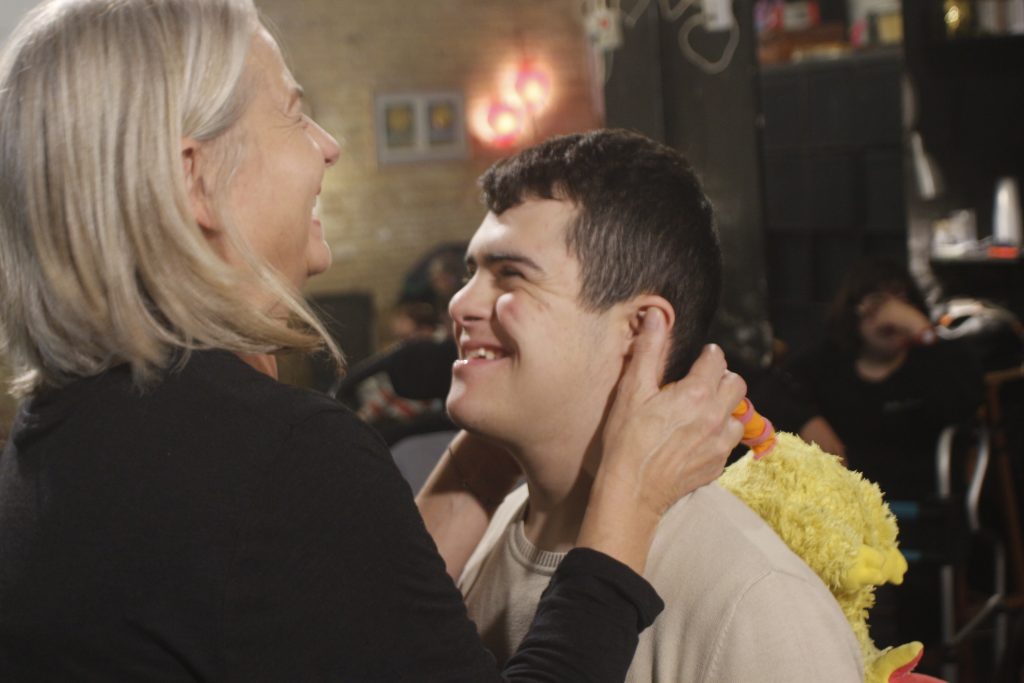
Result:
pixel 194 164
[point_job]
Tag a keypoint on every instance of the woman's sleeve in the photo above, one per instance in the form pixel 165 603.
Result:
pixel 337 579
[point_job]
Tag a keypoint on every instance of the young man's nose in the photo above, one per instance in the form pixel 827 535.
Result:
pixel 470 303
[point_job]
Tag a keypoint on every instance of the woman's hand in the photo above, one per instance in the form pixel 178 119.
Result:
pixel 890 322
pixel 660 443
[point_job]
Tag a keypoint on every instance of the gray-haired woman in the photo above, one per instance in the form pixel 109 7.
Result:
pixel 168 511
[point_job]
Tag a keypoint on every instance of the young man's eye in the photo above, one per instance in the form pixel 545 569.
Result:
pixel 509 272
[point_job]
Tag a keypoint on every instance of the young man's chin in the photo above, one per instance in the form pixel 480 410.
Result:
pixel 456 413
pixel 464 417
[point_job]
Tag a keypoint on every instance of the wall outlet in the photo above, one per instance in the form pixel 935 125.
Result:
pixel 604 28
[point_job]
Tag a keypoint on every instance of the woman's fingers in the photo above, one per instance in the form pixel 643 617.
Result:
pixel 671 441
pixel 716 433
pixel 650 348
pixel 731 390
pixel 710 391
pixel 708 367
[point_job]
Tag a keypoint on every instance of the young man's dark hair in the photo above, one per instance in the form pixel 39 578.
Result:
pixel 643 224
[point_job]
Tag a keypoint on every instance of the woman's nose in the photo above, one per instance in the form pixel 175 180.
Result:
pixel 329 146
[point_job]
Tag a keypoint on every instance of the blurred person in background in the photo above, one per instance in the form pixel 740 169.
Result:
pixel 878 392
pixel 884 383
pixel 433 279
pixel 414 320
pixel 400 391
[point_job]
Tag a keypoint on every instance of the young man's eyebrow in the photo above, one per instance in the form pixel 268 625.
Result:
pixel 491 258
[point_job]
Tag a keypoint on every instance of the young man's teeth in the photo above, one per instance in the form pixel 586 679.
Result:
pixel 486 354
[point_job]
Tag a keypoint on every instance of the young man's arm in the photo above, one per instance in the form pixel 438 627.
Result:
pixel 461 495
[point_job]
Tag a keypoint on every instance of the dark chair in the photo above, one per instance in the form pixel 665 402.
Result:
pixel 416 456
pixel 945 534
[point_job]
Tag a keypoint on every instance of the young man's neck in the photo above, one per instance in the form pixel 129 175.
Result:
pixel 559 485
pixel 560 464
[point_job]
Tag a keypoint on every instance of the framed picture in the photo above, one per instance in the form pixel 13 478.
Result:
pixel 420 126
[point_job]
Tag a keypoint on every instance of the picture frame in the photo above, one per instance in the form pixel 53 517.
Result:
pixel 420 126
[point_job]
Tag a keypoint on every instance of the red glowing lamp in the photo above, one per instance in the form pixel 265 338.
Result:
pixel 533 85
pixel 506 121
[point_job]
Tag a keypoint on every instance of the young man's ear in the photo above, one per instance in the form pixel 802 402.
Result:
pixel 648 304
pixel 195 165
pixel 639 308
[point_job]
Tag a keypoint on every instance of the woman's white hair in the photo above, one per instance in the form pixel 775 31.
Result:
pixel 101 259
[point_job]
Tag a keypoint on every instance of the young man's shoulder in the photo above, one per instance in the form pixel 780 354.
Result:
pixel 739 604
pixel 723 540
pixel 709 537
pixel 728 580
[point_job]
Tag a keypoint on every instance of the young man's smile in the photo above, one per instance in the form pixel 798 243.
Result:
pixel 471 352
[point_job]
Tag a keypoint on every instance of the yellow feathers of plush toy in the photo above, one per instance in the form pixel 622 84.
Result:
pixel 835 520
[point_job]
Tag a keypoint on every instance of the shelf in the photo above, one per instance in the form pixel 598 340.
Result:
pixel 987 55
pixel 869 56
pixel 975 261
pixel 1015 41
pixel 805 231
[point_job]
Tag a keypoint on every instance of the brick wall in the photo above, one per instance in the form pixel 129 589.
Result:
pixel 380 218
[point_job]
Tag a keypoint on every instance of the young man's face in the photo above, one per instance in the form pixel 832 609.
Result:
pixel 533 363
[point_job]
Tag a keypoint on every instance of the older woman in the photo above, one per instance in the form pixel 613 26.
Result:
pixel 168 511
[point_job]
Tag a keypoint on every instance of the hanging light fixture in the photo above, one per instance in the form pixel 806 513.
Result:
pixel 533 86
pixel 506 121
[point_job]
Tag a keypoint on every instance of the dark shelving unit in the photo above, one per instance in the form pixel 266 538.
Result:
pixel 833 179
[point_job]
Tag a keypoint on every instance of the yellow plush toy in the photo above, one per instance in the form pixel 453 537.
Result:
pixel 836 521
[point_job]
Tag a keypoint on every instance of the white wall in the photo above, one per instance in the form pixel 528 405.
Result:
pixel 11 12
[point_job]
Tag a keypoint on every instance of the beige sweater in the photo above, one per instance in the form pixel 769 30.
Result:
pixel 740 606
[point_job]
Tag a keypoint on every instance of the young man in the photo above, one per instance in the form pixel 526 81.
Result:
pixel 586 235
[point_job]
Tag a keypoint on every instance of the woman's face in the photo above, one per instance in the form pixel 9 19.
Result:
pixel 272 197
pixel 886 323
